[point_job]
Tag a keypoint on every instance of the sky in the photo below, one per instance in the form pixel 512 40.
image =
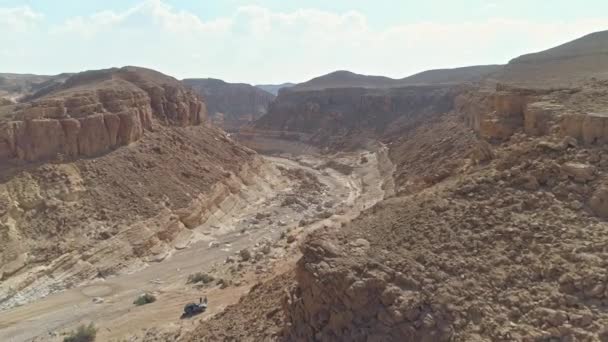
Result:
pixel 276 41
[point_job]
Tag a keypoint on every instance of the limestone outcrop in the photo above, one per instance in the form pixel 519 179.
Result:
pixel 95 112
pixel 496 115
pixel 590 128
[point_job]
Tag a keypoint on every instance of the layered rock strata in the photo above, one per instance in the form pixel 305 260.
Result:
pixel 95 112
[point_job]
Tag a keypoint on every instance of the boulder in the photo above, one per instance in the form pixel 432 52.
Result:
pixel 580 172
pixel 482 152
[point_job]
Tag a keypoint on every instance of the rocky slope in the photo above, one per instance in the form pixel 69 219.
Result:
pixel 507 246
pixel 566 64
pixel 152 171
pixel 453 76
pixel 231 105
pixel 497 231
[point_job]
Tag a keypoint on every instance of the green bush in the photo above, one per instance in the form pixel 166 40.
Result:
pixel 144 299
pixel 200 277
pixel 84 333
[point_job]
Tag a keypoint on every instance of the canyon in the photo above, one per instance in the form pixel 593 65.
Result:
pixel 231 105
pixel 496 229
pixel 465 204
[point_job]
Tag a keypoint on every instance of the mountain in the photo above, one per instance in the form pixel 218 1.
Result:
pixel 274 88
pixel 452 76
pixel 231 105
pixel 347 79
pixel 568 63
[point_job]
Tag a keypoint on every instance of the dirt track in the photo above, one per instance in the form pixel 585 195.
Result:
pixel 234 227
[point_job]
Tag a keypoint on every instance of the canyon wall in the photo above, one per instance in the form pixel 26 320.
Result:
pixel 348 116
pixel 94 112
pixel 74 206
pixel 231 105
pixel 497 115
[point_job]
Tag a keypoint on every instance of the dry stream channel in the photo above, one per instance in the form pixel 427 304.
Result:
pixel 256 215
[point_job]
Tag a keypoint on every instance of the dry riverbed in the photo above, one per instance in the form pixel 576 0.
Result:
pixel 266 220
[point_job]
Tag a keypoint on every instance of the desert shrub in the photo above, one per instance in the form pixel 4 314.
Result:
pixel 144 299
pixel 200 277
pixel 245 254
pixel 84 333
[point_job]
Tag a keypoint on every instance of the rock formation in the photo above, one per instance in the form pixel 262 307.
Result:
pixel 497 230
pixel 231 105
pixel 321 117
pixel 94 112
pixel 107 170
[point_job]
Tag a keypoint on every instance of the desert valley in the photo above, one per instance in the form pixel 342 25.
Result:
pixel 465 204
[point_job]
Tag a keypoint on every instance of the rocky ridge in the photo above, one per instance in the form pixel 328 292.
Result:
pixel 95 112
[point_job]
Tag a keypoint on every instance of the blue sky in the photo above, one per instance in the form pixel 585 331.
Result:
pixel 272 41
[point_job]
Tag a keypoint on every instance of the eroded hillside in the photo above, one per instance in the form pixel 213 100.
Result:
pixel 497 230
pixel 156 169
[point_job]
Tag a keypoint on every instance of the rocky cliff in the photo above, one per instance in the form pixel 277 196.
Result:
pixel 322 117
pixel 107 171
pixel 94 112
pixel 577 112
pixel 231 105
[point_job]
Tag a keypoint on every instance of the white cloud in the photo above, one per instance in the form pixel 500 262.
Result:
pixel 18 19
pixel 149 12
pixel 256 44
